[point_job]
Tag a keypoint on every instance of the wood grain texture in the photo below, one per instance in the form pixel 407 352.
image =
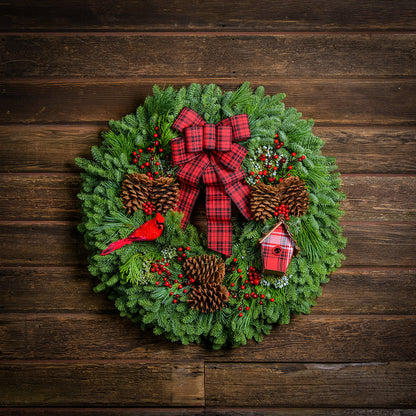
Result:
pixel 259 411
pixel 43 148
pixel 289 55
pixel 380 244
pixel 344 101
pixel 313 338
pixel 379 198
pixel 369 291
pixel 44 244
pixel 326 385
pixel 100 384
pixel 47 289
pixel 59 243
pixel 26 197
pixel 69 289
pixel 42 197
pixel 159 15
pixel 40 148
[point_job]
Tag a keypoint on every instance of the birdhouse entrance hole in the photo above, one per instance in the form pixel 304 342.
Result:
pixel 277 250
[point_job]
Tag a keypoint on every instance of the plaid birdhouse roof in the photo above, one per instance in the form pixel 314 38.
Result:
pixel 289 234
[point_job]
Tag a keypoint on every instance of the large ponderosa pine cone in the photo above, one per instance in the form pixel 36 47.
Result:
pixel 291 192
pixel 294 195
pixel 263 201
pixel 208 298
pixel 206 269
pixel 135 191
pixel 164 194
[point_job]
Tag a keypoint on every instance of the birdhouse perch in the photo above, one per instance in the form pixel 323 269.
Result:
pixel 277 249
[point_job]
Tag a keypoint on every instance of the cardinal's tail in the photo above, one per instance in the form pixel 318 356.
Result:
pixel 116 245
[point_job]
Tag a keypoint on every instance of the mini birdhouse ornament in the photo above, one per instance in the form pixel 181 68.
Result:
pixel 277 249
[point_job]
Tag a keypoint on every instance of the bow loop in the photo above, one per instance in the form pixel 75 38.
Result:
pixel 194 136
pixel 187 117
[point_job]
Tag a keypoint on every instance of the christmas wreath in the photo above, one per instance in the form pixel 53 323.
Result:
pixel 257 264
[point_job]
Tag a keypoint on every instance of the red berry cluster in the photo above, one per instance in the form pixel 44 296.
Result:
pixel 161 269
pixel 155 152
pixel 292 160
pixel 282 210
pixel 278 143
pixel 244 293
pixel 148 208
pixel 254 276
pixel 182 253
pixel 155 148
pixel 137 155
pixel 274 163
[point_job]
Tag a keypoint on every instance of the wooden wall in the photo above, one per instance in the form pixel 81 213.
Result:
pixel 67 67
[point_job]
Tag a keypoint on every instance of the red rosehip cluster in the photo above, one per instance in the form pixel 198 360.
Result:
pixel 275 167
pixel 156 152
pixel 254 276
pixel 148 208
pixel 282 210
pixel 182 253
pixel 161 268
pixel 137 155
pixel 279 144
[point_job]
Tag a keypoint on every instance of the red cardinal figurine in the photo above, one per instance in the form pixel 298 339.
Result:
pixel 148 231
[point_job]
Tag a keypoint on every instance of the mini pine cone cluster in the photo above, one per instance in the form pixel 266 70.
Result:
pixel 137 189
pixel 208 272
pixel 291 192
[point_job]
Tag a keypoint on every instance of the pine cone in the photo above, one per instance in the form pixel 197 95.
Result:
pixel 208 298
pixel 294 195
pixel 164 195
pixel 264 199
pixel 206 269
pixel 135 191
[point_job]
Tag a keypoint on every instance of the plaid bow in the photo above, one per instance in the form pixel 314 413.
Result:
pixel 209 151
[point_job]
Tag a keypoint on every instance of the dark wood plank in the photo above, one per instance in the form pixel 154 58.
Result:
pixel 306 385
pixel 390 101
pixel 369 149
pixel 102 384
pixel 149 56
pixel 379 198
pixel 59 243
pixel 160 15
pixel 46 197
pixel 381 291
pixel 69 289
pixel 43 148
pixel 47 289
pixel 46 148
pixel 264 411
pixel 45 244
pixel 54 197
pixel 380 244
pixel 348 338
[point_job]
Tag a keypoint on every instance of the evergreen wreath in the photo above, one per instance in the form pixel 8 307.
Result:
pixel 165 277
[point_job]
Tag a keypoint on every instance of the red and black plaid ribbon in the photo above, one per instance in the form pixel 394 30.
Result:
pixel 210 151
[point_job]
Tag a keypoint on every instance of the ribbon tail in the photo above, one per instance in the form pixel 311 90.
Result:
pixel 240 193
pixel 186 201
pixel 218 210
